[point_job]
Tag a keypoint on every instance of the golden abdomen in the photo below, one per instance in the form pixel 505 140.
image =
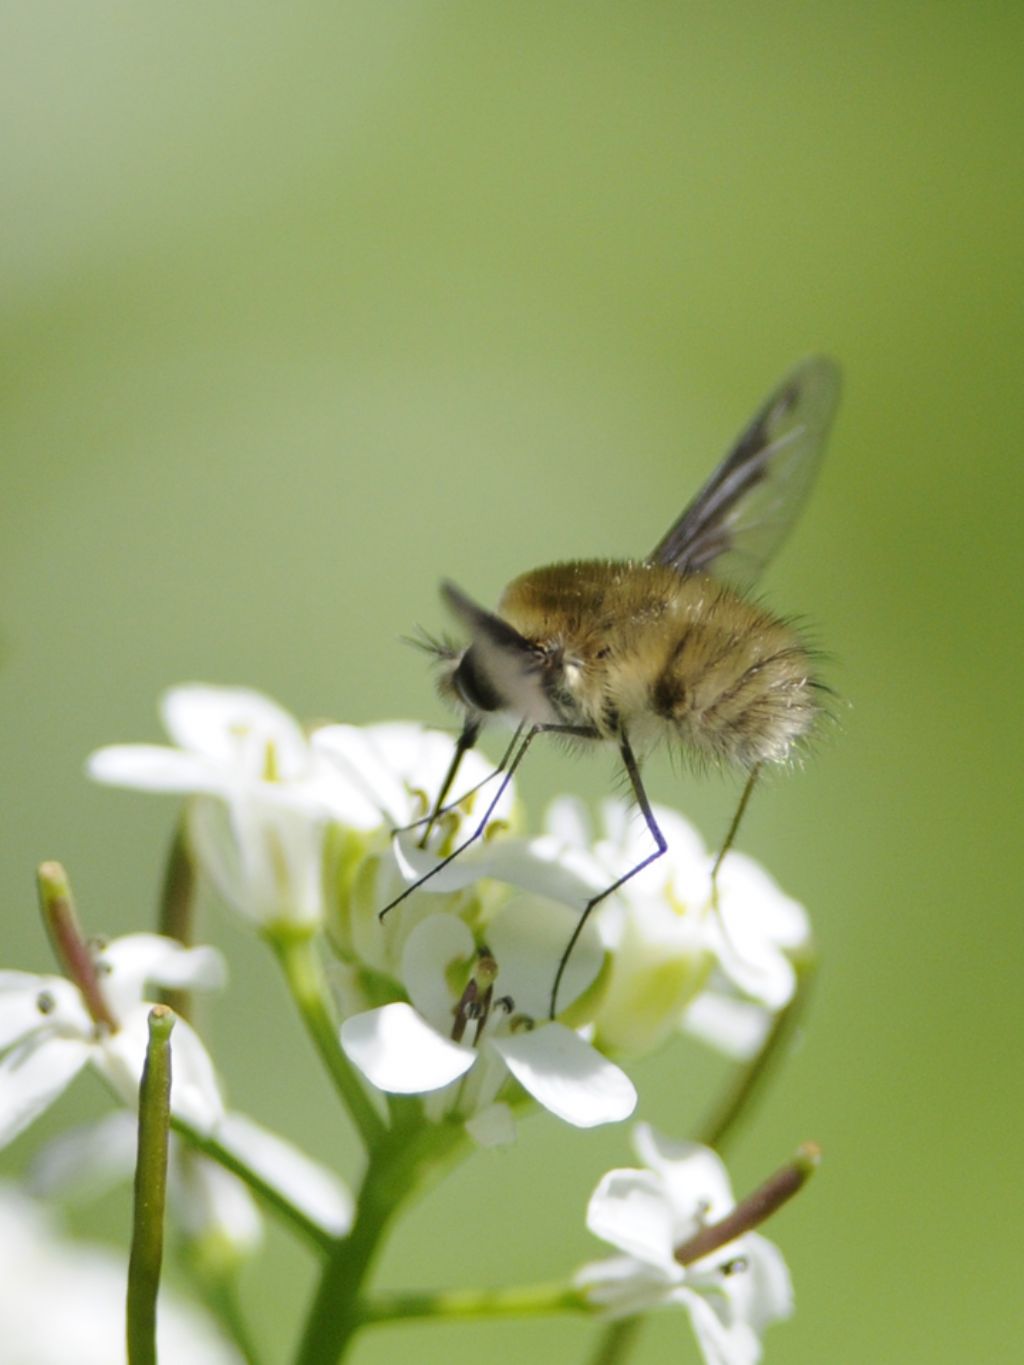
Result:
pixel 736 683
pixel 648 649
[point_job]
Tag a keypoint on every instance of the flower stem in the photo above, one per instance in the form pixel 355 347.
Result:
pixel 519 1301
pixel 717 1130
pixel 220 1293
pixel 177 904
pixel 397 1168
pixel 616 1341
pixel 304 973
pixel 150 1190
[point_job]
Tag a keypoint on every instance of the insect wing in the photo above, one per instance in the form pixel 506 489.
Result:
pixel 745 510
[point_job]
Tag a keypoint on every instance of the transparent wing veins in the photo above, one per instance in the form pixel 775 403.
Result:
pixel 747 507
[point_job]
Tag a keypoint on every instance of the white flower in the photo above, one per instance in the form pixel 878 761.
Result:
pixel 63 1300
pixel 261 796
pixel 47 1034
pixel 224 736
pixel 470 1026
pixel 397 768
pixel 669 950
pixel 731 1294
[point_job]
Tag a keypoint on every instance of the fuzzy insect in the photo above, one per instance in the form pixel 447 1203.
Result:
pixel 669 647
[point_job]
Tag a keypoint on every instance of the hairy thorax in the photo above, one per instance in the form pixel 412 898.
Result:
pixel 637 646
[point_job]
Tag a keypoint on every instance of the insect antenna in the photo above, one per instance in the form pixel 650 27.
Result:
pixel 439 647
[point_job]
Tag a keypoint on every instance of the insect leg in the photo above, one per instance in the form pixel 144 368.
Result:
pixel 506 779
pixel 633 773
pixel 467 738
pixel 730 837
pixel 461 747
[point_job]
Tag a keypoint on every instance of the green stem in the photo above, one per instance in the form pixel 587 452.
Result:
pixel 616 1341
pixel 220 1293
pixel 397 1168
pixel 304 973
pixel 718 1129
pixel 177 905
pixel 296 1218
pixel 520 1301
pixel 150 1190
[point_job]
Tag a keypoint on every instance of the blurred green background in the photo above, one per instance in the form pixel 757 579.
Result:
pixel 307 306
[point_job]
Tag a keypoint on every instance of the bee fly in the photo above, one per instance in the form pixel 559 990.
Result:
pixel 668 647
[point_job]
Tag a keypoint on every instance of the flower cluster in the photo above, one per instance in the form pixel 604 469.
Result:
pixel 731 1292
pixel 446 997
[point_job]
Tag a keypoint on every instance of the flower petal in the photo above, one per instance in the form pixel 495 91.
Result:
pixel 233 727
pixel 622 1285
pixel 63 1299
pixel 312 1187
pixel 379 796
pixel 137 961
pixel 528 937
pixel 397 768
pixel 694 1178
pixel 32 1075
pixel 757 967
pixel 88 1160
pixel 629 1210
pixel 154 768
pixel 566 1075
pixel 399 1052
pixel 195 969
pixel 755 895
pixel 568 820
pixel 432 948
pixel 415 862
pixel 20 1013
pixel 757 925
pixel 212 1204
pixel 263 851
pixel 721 1343
pixel 733 1026
pixel 766 1290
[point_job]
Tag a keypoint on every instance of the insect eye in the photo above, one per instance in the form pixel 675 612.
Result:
pixel 474 687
